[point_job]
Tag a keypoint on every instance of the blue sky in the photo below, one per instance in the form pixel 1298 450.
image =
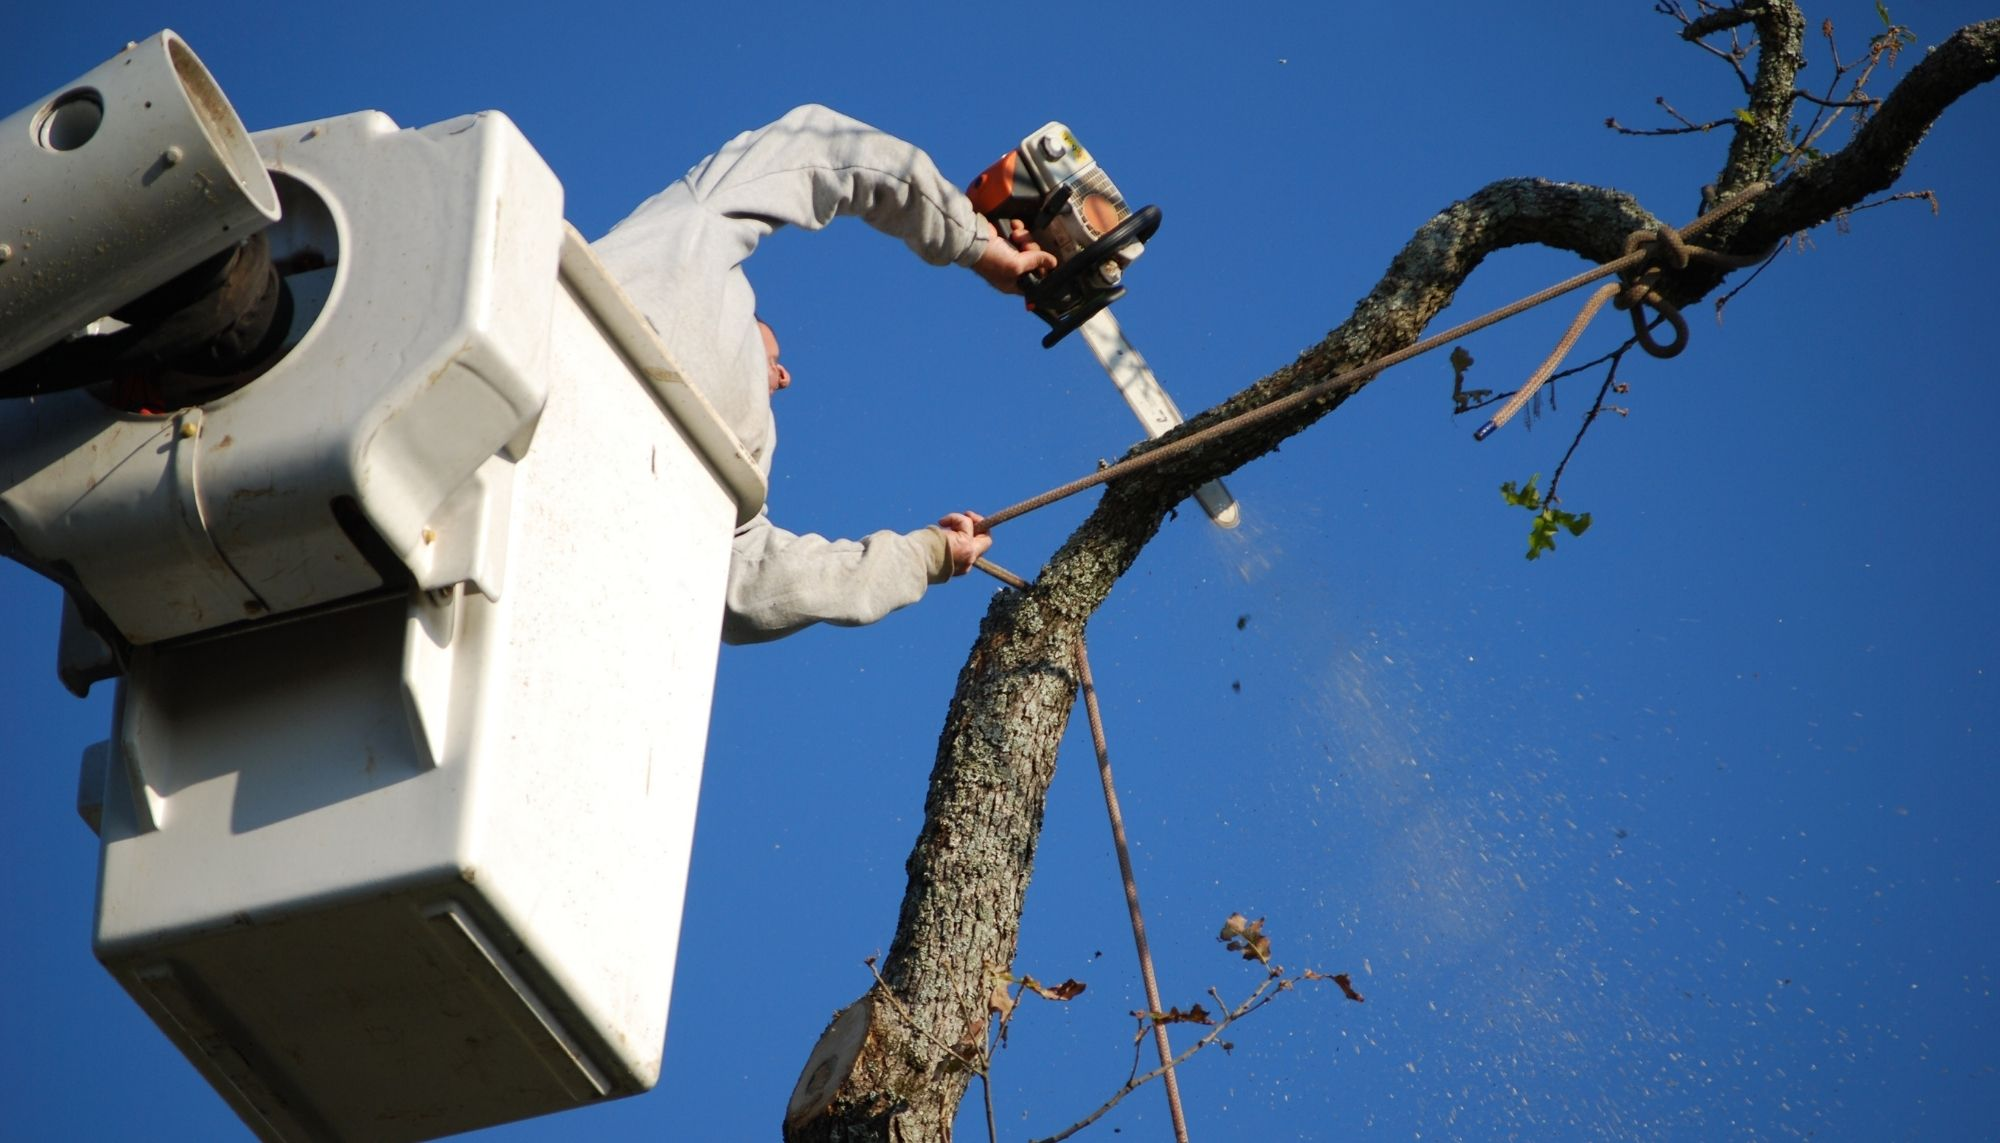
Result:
pixel 1683 832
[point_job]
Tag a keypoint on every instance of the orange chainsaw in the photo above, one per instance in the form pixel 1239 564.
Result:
pixel 1072 210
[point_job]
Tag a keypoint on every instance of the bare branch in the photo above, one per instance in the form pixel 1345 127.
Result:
pixel 1881 148
pixel 1722 19
pixel 1809 97
pixel 1690 129
pixel 1617 358
pixel 1714 20
pixel 1256 1000
pixel 1572 371
pixel 1743 285
pixel 1843 220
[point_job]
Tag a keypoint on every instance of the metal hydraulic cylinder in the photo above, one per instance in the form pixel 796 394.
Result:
pixel 117 182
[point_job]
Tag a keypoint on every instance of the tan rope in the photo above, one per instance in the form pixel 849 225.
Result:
pixel 1118 841
pixel 1636 255
pixel 1665 248
pixel 1131 891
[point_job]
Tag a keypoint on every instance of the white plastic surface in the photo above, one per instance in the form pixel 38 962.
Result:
pixel 416 866
pixel 429 358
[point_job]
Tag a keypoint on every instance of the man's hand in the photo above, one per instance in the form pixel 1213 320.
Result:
pixel 1009 256
pixel 964 539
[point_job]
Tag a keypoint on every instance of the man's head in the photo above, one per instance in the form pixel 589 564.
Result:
pixel 781 377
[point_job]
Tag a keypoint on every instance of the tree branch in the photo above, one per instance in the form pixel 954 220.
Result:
pixel 1136 1081
pixel 1760 139
pixel 1874 159
pixel 1720 20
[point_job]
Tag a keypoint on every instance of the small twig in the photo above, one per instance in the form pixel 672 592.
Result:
pixel 1660 101
pixel 1616 357
pixel 1483 402
pixel 1138 1053
pixel 1690 129
pixel 1714 20
pixel 1745 283
pixel 976 1065
pixel 1832 48
pixel 986 1089
pixel 1256 1000
pixel 1863 101
pixel 1553 378
pixel 1929 196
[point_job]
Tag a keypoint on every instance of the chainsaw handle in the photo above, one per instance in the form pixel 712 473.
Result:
pixel 1138 228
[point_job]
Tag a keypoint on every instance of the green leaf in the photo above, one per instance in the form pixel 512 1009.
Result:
pixel 1542 534
pixel 1882 11
pixel 1743 113
pixel 1548 518
pixel 1528 497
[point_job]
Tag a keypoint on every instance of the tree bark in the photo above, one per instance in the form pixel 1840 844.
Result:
pixel 969 871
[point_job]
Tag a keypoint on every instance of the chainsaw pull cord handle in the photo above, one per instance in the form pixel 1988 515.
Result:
pixel 1166 448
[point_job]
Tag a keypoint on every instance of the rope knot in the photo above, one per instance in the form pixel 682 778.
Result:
pixel 1649 255
pixel 1667 247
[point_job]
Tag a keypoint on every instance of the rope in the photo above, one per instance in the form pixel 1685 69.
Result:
pixel 1131 890
pixel 1089 688
pixel 1637 253
pixel 1632 293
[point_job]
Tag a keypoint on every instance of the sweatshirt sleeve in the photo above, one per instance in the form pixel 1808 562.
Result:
pixel 816 164
pixel 781 583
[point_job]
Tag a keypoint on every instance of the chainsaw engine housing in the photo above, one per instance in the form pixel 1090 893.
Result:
pixel 1075 212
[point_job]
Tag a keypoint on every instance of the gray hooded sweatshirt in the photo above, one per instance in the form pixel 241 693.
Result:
pixel 680 257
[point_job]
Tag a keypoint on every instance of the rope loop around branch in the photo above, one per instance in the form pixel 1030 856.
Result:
pixel 1634 297
pixel 1652 253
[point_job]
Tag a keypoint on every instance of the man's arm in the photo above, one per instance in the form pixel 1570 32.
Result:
pixel 781 583
pixel 680 255
pixel 815 164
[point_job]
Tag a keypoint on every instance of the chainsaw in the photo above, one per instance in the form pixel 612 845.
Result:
pixel 1073 210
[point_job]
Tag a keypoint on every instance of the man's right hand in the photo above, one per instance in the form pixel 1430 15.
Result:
pixel 964 539
pixel 1007 257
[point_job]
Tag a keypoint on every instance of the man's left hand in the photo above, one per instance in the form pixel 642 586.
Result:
pixel 964 539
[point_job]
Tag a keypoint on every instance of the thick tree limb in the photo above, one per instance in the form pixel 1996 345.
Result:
pixel 1781 51
pixel 969 871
